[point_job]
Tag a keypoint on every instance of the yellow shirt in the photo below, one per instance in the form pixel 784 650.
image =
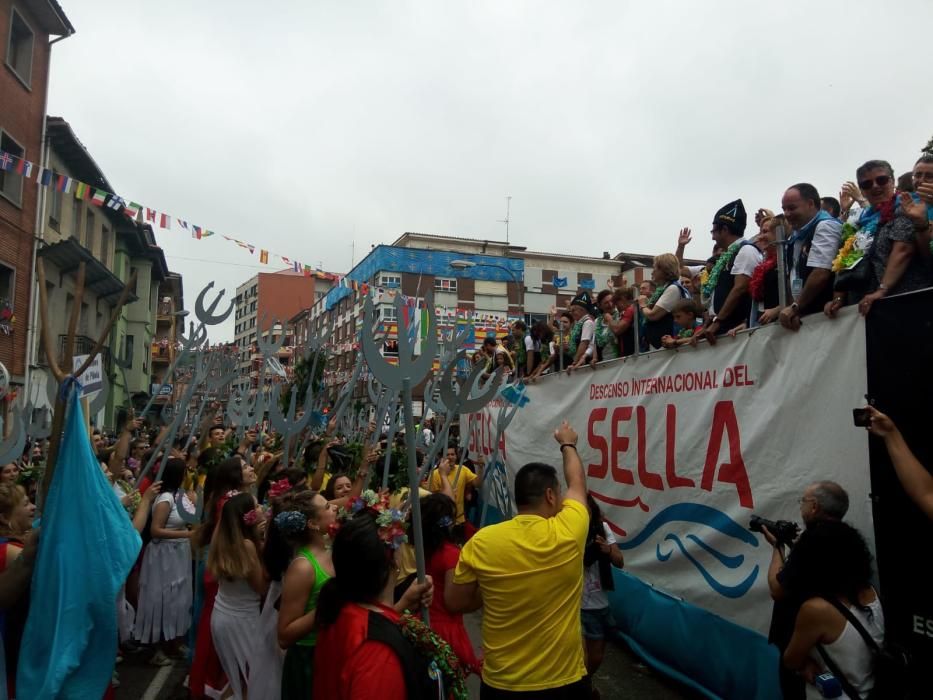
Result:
pixel 405 558
pixel 466 478
pixel 530 575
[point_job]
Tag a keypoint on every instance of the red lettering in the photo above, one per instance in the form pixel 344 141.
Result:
pixel 725 424
pixel 648 479
pixel 598 442
pixel 670 469
pixel 619 445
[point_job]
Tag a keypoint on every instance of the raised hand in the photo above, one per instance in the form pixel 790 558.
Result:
pixel 848 195
pixel 915 211
pixel 684 237
pixel 565 434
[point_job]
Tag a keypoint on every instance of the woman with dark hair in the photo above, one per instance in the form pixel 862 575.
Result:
pixel 235 563
pixel 600 554
pixel 304 522
pixel 361 650
pixel 836 571
pixel 884 239
pixel 438 512
pixel 338 486
pixel 163 614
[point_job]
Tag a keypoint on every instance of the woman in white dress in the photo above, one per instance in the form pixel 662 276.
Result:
pixel 164 610
pixel 234 560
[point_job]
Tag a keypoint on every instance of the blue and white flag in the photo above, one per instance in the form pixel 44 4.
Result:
pixel 559 282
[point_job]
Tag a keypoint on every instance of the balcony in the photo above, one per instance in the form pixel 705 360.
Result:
pixel 165 310
pixel 83 346
pixel 163 351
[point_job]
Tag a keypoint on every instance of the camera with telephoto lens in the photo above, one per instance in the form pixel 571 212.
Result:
pixel 784 531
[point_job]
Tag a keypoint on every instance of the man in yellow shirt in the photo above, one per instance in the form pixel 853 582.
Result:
pixel 460 476
pixel 527 575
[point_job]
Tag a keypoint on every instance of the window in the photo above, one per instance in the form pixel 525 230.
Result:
pixel 88 228
pixel 105 239
pixel 11 184
pixel 444 284
pixel 7 283
pixel 389 313
pixel 76 218
pixel 55 210
pixel 19 48
pixel 128 347
pixel 390 280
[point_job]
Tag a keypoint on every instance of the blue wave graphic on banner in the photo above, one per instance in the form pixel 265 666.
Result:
pixel 709 517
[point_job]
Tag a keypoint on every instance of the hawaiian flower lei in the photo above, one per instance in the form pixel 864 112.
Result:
pixel 756 285
pixel 391 521
pixel 723 261
pixel 443 659
pixel 602 329
pixel 685 333
pixel 657 295
pixel 856 240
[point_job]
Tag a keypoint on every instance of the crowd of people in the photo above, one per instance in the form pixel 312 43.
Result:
pixel 873 241
pixel 279 577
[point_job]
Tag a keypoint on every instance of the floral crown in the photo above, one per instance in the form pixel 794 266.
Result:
pixel 279 487
pixel 291 522
pixel 390 521
pixel 251 517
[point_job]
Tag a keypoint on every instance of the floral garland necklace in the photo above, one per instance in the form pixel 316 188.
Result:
pixel 756 285
pixel 685 333
pixel 445 666
pixel 602 329
pixel 657 295
pixel 857 239
pixel 720 265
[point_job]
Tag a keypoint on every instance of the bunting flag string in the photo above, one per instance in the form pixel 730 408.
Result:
pixel 46 177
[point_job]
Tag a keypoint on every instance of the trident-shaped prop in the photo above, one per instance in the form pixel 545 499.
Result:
pixel 401 378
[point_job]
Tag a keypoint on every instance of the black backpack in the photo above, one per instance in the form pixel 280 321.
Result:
pixel 415 666
pixel 891 663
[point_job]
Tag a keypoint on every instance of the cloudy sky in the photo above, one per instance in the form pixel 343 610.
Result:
pixel 305 127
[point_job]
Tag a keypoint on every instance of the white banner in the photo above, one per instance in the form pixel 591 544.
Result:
pixel 682 447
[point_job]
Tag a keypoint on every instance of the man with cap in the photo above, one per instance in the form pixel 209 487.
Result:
pixel 727 285
pixel 584 327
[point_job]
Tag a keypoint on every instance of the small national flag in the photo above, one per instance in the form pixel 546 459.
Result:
pixel 24 167
pixel 296 266
pixel 45 177
pixel 132 210
pixel 82 191
pixel 183 224
pixel 251 247
pixel 307 270
pixel 150 214
pixel 205 234
pixel 116 202
pixel 195 231
pixel 63 183
pixel 6 161
pixel 99 198
pixel 286 260
pixel 264 257
pixel 165 221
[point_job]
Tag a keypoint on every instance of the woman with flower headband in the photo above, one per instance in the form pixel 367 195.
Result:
pixel 882 242
pixel 368 648
pixel 304 521
pixel 438 512
pixel 234 561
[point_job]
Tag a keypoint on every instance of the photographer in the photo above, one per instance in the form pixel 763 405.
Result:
pixel 821 501
pixel 916 480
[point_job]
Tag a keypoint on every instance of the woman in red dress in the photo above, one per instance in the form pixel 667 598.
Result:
pixel 361 652
pixel 438 513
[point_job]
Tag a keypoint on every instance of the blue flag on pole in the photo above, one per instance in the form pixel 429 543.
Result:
pixel 559 282
pixel 86 550
pixel 588 284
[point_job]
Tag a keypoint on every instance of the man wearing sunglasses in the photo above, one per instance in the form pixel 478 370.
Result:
pixel 813 247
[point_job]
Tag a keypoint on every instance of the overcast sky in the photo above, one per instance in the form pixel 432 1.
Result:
pixel 305 126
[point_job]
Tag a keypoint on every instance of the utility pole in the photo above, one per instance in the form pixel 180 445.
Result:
pixel 508 210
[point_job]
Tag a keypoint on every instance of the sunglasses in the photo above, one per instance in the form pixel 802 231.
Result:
pixel 879 181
